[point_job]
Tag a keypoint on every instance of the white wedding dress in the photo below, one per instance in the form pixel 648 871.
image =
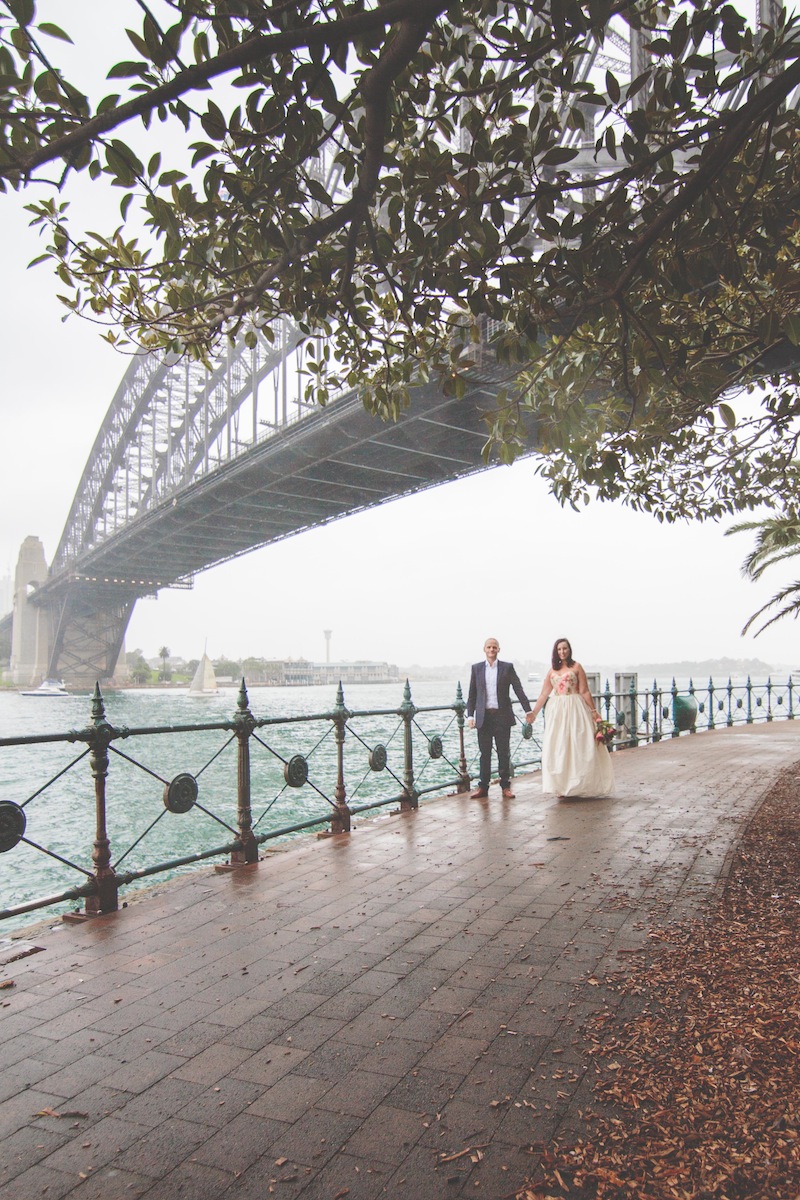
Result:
pixel 573 762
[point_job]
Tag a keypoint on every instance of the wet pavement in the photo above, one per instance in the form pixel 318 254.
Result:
pixel 396 1012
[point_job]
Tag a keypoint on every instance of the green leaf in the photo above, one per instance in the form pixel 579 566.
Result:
pixel 138 42
pixel 54 31
pixel 23 11
pixel 613 88
pixel 124 70
pixel 559 155
pixel 791 327
pixel 728 415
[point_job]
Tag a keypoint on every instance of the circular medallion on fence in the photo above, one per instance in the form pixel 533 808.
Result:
pixel 527 732
pixel 377 757
pixel 180 795
pixel 12 825
pixel 295 771
pixel 435 747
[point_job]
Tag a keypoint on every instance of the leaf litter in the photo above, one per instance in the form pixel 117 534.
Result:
pixel 699 1092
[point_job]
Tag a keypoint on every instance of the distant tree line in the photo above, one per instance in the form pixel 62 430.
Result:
pixel 254 670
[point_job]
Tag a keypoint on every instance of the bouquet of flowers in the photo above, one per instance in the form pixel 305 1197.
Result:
pixel 605 732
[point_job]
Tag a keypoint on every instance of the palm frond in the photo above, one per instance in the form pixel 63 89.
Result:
pixel 792 609
pixel 777 538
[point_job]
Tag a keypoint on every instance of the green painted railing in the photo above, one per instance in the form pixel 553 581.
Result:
pixel 659 712
pixel 334 765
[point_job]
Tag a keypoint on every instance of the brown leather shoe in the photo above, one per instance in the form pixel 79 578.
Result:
pixel 508 794
pixel 479 794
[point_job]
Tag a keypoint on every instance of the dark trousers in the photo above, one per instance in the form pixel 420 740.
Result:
pixel 493 730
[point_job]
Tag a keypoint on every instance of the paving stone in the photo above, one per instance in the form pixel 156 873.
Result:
pixel 97 1144
pixel 270 1064
pixel 162 1149
pixel 425 1090
pixel 191 1181
pixel 314 1138
pixel 332 1061
pixel 288 1098
pixel 30 1144
pixel 38 1180
pixel 161 1101
pixel 112 1183
pixel 239 1143
pixel 212 1064
pixel 387 1135
pixel 220 1103
pixel 358 1093
pixel 344 1175
pixel 22 1075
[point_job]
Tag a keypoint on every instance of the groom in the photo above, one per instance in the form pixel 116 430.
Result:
pixel 489 710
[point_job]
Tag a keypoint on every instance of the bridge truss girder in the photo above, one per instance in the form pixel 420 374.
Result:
pixel 88 623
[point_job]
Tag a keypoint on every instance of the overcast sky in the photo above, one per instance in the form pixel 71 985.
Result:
pixel 422 580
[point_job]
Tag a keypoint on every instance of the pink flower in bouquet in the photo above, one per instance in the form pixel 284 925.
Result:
pixel 605 733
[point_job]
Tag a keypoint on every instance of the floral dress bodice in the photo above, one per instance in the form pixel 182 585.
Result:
pixel 564 683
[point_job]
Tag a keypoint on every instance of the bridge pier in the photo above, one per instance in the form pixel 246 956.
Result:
pixel 75 633
pixel 30 633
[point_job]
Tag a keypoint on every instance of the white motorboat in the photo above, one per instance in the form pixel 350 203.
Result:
pixel 48 687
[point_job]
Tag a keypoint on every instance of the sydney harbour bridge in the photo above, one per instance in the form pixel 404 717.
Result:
pixel 196 465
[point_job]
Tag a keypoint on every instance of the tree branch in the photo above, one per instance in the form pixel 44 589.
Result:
pixel 245 54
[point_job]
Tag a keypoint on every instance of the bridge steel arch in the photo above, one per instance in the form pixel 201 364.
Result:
pixel 192 468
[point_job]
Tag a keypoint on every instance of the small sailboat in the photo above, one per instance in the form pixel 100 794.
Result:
pixel 205 681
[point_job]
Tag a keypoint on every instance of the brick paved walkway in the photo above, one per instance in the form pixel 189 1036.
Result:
pixel 350 1017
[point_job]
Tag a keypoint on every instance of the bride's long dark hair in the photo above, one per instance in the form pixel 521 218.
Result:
pixel 556 661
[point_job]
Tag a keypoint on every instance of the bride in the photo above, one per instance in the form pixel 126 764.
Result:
pixel 574 763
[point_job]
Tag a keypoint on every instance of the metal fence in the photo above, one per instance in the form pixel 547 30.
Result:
pixel 659 712
pixel 247 781
pixel 244 782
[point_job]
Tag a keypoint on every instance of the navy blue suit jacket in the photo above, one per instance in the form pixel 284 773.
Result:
pixel 507 678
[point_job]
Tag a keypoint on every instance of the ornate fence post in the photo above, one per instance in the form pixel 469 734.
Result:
pixel 730 701
pixel 656 711
pixel 340 821
pixel 791 708
pixel 646 715
pixel 675 730
pixel 769 698
pixel 634 711
pixel 105 899
pixel 749 687
pixel 245 724
pixel 460 707
pixel 710 703
pixel 410 798
pixel 606 703
pixel 691 693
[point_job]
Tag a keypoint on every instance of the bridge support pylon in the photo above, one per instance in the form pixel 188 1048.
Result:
pixel 30 632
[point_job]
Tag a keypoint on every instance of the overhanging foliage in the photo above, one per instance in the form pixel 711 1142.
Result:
pixel 410 180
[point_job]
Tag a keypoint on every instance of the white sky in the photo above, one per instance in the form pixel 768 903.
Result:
pixel 422 580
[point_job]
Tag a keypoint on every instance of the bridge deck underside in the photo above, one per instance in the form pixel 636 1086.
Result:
pixel 337 461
